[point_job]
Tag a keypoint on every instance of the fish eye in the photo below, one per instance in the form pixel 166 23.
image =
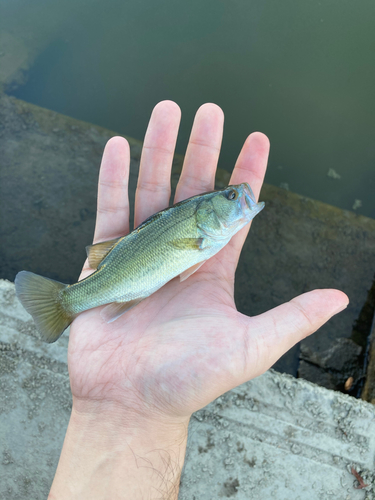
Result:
pixel 232 195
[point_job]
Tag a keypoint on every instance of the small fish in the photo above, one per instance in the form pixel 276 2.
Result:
pixel 175 241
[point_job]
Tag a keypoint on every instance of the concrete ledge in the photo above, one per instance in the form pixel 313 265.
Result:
pixel 273 437
pixel 281 438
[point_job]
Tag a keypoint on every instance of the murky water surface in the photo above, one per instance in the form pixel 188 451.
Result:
pixel 302 72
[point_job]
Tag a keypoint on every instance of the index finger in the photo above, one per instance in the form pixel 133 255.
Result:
pixel 250 167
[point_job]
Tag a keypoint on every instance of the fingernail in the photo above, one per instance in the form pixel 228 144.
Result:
pixel 341 308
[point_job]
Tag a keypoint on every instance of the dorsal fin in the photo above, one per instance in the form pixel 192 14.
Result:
pixel 97 252
pixel 150 219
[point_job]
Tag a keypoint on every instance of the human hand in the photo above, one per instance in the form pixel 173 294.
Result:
pixel 186 344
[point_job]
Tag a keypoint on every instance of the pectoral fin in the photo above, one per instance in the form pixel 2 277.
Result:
pixel 97 252
pixel 191 270
pixel 189 243
pixel 116 309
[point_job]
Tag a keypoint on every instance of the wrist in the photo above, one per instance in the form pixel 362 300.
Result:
pixel 115 455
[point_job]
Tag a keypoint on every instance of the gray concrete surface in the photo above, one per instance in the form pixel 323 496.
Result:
pixel 273 437
pixel 49 166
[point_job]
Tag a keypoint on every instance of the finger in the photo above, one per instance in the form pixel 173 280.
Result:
pixel 112 219
pixel 154 185
pixel 252 161
pixel 250 167
pixel 202 154
pixel 270 335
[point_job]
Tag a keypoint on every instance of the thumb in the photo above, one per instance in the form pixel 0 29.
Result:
pixel 273 333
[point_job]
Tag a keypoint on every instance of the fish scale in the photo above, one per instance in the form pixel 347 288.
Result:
pixel 175 241
pixel 143 263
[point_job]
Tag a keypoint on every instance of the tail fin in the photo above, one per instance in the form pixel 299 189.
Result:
pixel 41 298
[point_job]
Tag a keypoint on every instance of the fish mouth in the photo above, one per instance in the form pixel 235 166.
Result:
pixel 249 203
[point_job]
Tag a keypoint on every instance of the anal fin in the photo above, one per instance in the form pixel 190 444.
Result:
pixel 113 311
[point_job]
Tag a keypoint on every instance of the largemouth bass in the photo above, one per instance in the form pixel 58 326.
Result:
pixel 170 243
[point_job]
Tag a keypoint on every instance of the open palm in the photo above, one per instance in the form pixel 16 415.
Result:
pixel 186 344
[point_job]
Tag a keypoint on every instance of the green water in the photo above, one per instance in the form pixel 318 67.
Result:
pixel 303 72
